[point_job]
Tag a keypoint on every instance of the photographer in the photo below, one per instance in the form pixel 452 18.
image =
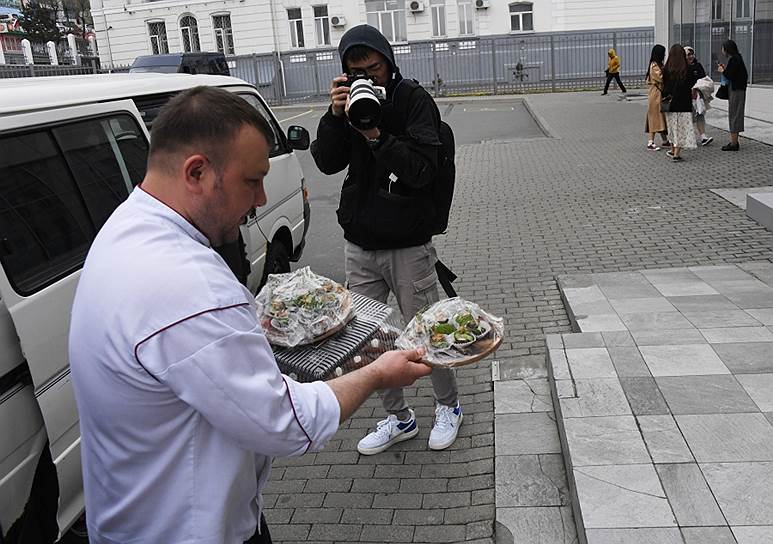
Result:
pixel 387 210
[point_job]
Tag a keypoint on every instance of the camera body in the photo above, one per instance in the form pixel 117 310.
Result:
pixel 364 101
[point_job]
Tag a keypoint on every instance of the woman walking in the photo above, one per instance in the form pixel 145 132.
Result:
pixel 655 121
pixel 695 73
pixel 613 71
pixel 678 87
pixel 735 72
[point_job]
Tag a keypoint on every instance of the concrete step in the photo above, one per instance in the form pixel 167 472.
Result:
pixel 759 206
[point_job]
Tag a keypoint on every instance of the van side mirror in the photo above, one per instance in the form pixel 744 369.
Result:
pixel 298 137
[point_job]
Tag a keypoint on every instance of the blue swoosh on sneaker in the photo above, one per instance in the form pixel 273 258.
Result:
pixel 457 410
pixel 407 426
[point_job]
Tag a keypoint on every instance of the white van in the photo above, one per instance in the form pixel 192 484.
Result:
pixel 71 149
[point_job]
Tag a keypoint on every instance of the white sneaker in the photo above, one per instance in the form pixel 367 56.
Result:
pixel 388 431
pixel 448 419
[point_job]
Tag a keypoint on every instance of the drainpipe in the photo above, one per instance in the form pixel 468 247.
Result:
pixel 276 49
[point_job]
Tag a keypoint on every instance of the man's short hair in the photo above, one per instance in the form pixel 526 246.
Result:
pixel 206 119
pixel 357 53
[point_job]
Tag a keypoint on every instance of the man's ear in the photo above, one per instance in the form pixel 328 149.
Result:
pixel 195 170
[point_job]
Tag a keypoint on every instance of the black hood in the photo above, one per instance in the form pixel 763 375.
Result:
pixel 370 37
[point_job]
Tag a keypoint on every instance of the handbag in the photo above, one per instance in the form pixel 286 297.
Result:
pixel 665 104
pixel 722 93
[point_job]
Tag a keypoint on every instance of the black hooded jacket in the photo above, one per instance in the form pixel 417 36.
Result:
pixel 386 199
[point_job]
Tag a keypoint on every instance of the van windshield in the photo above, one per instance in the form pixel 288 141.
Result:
pixel 172 69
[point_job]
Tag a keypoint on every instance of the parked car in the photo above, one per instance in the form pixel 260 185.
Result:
pixel 186 63
pixel 72 150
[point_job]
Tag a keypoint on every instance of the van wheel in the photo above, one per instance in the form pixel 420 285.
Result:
pixel 277 260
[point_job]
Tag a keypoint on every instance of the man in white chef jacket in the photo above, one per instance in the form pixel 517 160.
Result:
pixel 181 403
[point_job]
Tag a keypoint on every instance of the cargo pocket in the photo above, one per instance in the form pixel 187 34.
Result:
pixel 425 292
pixel 347 206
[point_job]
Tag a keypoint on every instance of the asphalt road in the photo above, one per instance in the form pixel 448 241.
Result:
pixel 473 122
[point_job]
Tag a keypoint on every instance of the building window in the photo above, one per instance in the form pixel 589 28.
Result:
pixel 296 27
pixel 743 9
pixel 466 17
pixel 158 42
pixel 189 29
pixel 321 25
pixel 716 10
pixel 224 38
pixel 389 17
pixel 521 17
pixel 438 8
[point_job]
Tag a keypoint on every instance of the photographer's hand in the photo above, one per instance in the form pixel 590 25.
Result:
pixel 338 95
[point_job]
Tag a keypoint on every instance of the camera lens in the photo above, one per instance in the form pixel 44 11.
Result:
pixel 364 106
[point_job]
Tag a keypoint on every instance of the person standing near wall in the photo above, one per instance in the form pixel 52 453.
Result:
pixel 613 71
pixel 735 72
pixel 696 72
pixel 655 120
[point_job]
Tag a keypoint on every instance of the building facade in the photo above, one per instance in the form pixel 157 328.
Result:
pixel 129 28
pixel 705 24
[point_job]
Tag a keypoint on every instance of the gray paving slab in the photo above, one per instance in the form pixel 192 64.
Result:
pixel 531 480
pixel 760 388
pixel 600 322
pixel 705 394
pixel 702 303
pixel 720 273
pixel 536 525
pixel 742 491
pixel 516 396
pixel 709 319
pixel 583 340
pixel 763 298
pixel 746 357
pixel 682 360
pixel 628 362
pixel 689 495
pixel 668 337
pixel 587 363
pixel 643 396
pixel 611 440
pixel 753 535
pixel 635 536
pixel 664 440
pixel 737 334
pixel 532 433
pixel 737 197
pixel 708 535
pixel 558 365
pixel 617 339
pixel 655 320
pixel 728 437
pixel 641 305
pixel 596 397
pixel 763 315
pixel 625 285
pixel 619 496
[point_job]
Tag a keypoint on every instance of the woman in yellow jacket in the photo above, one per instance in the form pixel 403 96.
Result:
pixel 613 71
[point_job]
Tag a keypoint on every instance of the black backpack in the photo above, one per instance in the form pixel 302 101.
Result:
pixel 443 186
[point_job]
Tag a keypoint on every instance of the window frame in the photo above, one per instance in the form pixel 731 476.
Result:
pixel 468 7
pixel 193 31
pixel 297 39
pixel 519 14
pixel 162 46
pixel 226 34
pixel 439 18
pixel 396 17
pixel 321 25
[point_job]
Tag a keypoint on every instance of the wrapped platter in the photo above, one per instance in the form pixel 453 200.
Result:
pixel 302 307
pixel 453 332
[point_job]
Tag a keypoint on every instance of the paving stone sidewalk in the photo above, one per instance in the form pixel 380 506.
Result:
pixel 588 199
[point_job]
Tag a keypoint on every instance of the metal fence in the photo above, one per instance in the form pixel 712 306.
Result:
pixel 485 65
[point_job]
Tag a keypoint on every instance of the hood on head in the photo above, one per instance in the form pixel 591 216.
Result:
pixel 370 37
pixel 611 53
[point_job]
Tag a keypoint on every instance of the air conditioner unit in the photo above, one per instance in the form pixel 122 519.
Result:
pixel 338 20
pixel 482 4
pixel 416 6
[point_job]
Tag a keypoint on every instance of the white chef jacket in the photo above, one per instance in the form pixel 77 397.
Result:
pixel 180 399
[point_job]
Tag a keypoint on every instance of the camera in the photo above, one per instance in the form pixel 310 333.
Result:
pixel 364 101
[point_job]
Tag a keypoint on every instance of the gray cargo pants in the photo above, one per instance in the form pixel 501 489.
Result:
pixel 410 274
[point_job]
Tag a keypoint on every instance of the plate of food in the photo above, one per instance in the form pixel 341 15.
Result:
pixel 302 307
pixel 453 332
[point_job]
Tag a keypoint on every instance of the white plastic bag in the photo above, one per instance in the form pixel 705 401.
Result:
pixel 699 106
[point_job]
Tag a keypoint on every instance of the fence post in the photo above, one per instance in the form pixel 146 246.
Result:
pixel 614 41
pixel 317 90
pixel 279 76
pixel 436 78
pixel 552 64
pixel 494 64
pixel 2 54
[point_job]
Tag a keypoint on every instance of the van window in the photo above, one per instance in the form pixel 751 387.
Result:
pixel 253 100
pixel 58 185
